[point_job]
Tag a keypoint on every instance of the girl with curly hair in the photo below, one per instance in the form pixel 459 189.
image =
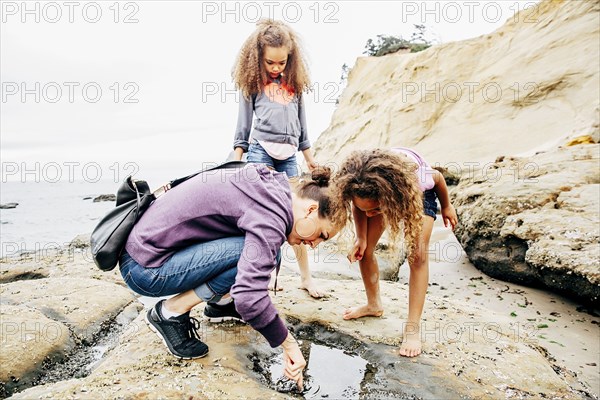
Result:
pixel 271 74
pixel 394 189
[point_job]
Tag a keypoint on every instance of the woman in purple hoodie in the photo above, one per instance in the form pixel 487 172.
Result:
pixel 216 238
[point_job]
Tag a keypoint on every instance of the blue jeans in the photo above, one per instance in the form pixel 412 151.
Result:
pixel 257 154
pixel 209 269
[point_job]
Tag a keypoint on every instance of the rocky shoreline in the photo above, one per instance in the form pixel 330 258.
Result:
pixel 534 220
pixel 470 351
pixel 528 200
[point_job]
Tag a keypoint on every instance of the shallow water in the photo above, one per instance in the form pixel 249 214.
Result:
pixel 341 367
pixel 329 372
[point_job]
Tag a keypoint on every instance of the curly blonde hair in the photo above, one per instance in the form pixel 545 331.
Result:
pixel 388 178
pixel 249 73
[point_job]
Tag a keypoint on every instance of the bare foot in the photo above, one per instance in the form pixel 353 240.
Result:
pixel 312 289
pixel 411 344
pixel 363 311
pixel 279 288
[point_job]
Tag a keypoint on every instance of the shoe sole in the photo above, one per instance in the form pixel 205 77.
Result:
pixel 223 319
pixel 153 329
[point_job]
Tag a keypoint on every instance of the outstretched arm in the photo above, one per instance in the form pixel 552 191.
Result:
pixel 306 279
pixel 441 190
pixel 304 143
pixel 360 245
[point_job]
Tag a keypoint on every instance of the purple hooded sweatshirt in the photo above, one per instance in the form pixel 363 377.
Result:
pixel 254 202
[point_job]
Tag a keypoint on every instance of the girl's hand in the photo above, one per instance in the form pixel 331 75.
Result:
pixel 311 164
pixel 449 216
pixel 358 251
pixel 238 153
pixel 293 361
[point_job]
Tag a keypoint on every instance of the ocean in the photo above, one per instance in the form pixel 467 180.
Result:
pixel 49 215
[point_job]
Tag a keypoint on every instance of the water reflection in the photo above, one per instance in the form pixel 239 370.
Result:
pixel 329 372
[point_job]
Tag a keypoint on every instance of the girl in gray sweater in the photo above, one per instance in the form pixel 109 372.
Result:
pixel 271 74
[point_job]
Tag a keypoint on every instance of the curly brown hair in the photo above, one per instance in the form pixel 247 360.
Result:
pixel 388 178
pixel 317 187
pixel 249 73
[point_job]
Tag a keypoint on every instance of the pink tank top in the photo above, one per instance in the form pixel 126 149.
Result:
pixel 424 171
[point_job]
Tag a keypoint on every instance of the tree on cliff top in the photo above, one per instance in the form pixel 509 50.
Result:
pixel 386 44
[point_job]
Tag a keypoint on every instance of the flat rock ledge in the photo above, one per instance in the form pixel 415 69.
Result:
pixel 50 305
pixel 475 353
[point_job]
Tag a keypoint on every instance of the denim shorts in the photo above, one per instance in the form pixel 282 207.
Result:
pixel 257 154
pixel 429 203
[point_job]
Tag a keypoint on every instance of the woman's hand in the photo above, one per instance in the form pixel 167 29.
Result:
pixel 449 216
pixel 358 250
pixel 293 361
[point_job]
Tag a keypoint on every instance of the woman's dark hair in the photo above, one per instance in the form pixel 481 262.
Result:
pixel 317 188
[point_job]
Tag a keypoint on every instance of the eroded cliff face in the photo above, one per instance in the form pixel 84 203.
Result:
pixel 529 86
pixel 529 90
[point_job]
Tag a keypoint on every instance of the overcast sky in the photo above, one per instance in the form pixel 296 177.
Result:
pixel 148 82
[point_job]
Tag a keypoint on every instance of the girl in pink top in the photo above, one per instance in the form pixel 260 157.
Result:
pixel 393 189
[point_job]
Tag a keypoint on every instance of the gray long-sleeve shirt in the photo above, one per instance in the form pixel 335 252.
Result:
pixel 254 202
pixel 275 122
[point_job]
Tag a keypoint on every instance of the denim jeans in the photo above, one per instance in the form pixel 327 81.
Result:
pixel 257 154
pixel 207 268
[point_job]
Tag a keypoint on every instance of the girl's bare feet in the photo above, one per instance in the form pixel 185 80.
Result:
pixel 312 289
pixel 411 342
pixel 363 311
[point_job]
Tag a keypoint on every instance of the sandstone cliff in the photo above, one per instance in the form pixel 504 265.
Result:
pixel 531 86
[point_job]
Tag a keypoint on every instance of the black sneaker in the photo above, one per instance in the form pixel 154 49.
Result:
pixel 177 333
pixel 217 313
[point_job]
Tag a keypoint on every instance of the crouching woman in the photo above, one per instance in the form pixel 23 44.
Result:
pixel 216 238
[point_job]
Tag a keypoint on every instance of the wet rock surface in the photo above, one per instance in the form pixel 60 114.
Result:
pixel 54 304
pixel 140 367
pixel 105 197
pixel 82 304
pixel 341 366
pixel 469 351
pixel 476 353
pixel 29 340
pixel 534 220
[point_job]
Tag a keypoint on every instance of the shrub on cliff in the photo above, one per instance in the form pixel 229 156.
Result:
pixel 386 44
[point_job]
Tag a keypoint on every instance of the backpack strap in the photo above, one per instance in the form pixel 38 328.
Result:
pixel 230 164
